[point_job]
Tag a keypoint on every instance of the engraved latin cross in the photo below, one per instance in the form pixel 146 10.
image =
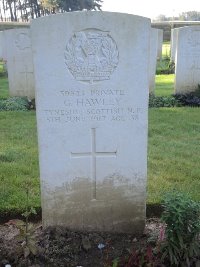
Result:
pixel 93 154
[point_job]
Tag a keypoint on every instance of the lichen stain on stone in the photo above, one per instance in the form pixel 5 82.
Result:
pixel 119 205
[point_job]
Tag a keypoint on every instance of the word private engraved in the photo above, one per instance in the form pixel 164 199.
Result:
pixel 91 55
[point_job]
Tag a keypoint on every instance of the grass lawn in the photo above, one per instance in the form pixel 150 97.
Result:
pixel 18 159
pixel 164 85
pixel 173 152
pixel 4 87
pixel 3 82
pixel 1 66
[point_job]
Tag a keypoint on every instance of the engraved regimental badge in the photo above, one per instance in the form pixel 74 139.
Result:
pixel 91 55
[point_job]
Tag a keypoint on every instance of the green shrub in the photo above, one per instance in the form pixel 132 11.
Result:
pixel 163 101
pixel 165 66
pixel 182 218
pixel 189 99
pixel 14 103
pixel 3 74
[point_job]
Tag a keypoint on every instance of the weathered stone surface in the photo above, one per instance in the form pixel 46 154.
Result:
pixel 160 43
pixel 173 43
pixel 1 44
pixel 18 54
pixel 153 58
pixel 91 73
pixel 187 64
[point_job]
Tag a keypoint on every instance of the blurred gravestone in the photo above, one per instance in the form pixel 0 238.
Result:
pixel 187 64
pixel 160 43
pixel 153 58
pixel 173 43
pixel 18 55
pixel 1 45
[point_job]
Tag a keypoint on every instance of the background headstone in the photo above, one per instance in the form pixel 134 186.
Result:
pixel 1 45
pixel 153 58
pixel 19 62
pixel 160 43
pixel 91 73
pixel 173 43
pixel 187 62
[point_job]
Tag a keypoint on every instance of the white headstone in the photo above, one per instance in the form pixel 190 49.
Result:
pixel 187 63
pixel 153 58
pixel 1 45
pixel 160 43
pixel 19 62
pixel 91 72
pixel 173 43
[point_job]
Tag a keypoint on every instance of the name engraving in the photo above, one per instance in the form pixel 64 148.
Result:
pixel 102 105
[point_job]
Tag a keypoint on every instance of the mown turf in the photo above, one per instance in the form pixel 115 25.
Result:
pixel 18 160
pixel 4 87
pixel 164 85
pixel 3 81
pixel 174 151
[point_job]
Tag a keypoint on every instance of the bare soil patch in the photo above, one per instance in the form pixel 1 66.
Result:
pixel 62 247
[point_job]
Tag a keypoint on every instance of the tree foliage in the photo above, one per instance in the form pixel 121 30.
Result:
pixel 74 5
pixel 26 9
pixel 184 16
pixel 190 16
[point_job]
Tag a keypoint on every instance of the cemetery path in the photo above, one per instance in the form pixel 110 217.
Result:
pixel 61 247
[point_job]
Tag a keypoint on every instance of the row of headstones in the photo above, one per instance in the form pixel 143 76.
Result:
pixel 91 79
pixel 185 53
pixel 15 49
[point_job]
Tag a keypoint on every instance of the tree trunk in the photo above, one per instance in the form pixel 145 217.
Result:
pixel 4 9
pixel 15 11
pixel 11 11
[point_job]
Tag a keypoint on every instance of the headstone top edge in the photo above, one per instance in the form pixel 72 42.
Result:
pixel 88 13
pixel 16 30
pixel 188 28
